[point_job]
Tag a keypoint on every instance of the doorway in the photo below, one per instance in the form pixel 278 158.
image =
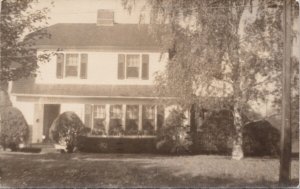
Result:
pixel 51 111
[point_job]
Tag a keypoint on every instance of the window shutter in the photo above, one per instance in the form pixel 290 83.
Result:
pixel 59 65
pixel 83 66
pixel 88 115
pixel 145 66
pixel 121 66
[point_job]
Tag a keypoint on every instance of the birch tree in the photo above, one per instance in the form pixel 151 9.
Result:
pixel 216 57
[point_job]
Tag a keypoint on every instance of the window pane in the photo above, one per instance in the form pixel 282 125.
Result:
pixel 116 112
pixel 133 66
pixel 149 112
pixel 132 112
pixel 72 65
pixel 99 111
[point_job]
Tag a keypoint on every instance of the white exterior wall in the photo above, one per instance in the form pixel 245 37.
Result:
pixel 102 69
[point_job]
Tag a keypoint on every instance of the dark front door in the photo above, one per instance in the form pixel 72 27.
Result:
pixel 51 111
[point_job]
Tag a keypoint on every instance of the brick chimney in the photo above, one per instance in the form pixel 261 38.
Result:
pixel 105 17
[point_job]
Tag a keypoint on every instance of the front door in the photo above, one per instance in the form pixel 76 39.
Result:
pixel 51 111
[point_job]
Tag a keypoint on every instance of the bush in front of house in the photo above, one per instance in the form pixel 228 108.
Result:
pixel 65 130
pixel 260 138
pixel 217 132
pixel 173 137
pixel 14 128
pixel 115 127
pixel 92 144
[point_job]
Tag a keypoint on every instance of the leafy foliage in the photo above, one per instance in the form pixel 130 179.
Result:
pixel 115 127
pixel 13 128
pixel 216 50
pixel 66 128
pixel 217 133
pixel 18 59
pixel 173 137
pixel 261 138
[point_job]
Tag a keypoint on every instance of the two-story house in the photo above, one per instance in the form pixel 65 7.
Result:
pixel 104 72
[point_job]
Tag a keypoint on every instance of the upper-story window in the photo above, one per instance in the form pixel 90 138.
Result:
pixel 133 66
pixel 71 65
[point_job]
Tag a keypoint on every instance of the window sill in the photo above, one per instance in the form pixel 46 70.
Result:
pixel 122 136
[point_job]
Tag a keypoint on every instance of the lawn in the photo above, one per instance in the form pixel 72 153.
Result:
pixel 136 170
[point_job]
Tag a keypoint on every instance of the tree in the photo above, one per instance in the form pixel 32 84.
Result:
pixel 18 58
pixel 214 53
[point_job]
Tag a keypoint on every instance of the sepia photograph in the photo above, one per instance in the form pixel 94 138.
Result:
pixel 149 93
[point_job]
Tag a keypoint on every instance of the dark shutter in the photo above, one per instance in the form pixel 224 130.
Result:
pixel 83 66
pixel 88 115
pixel 59 65
pixel 145 66
pixel 121 66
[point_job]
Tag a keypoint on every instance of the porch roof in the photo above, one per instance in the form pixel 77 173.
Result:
pixel 27 87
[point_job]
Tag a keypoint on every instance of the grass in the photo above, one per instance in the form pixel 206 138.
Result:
pixel 136 170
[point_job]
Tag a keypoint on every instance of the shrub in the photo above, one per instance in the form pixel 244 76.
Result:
pixel 217 133
pixel 13 128
pixel 115 127
pixel 173 137
pixel 260 138
pixel 116 145
pixel 66 128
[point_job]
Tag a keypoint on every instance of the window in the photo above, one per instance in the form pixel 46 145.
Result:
pixel 115 122
pixel 99 111
pixel 68 65
pixel 71 65
pixel 148 119
pixel 132 119
pixel 116 112
pixel 133 66
pixel 149 112
pixel 99 120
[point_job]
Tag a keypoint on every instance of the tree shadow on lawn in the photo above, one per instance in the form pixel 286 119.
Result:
pixel 127 170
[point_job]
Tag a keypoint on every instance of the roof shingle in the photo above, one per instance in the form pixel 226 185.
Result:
pixel 83 35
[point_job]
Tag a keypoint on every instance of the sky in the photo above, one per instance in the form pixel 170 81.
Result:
pixel 80 11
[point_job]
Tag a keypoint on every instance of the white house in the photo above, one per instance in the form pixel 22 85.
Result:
pixel 103 72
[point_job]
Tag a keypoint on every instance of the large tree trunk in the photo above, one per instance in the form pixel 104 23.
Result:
pixel 237 151
pixel 193 128
pixel 4 97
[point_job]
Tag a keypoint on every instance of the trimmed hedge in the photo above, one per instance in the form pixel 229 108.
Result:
pixel 14 128
pixel 261 139
pixel 66 128
pixel 116 144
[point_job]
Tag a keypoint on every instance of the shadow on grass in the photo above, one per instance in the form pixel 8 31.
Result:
pixel 127 170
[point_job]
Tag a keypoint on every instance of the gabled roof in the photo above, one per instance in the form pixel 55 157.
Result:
pixel 28 87
pixel 89 35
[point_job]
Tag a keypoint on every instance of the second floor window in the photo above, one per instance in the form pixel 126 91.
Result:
pixel 72 65
pixel 133 66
